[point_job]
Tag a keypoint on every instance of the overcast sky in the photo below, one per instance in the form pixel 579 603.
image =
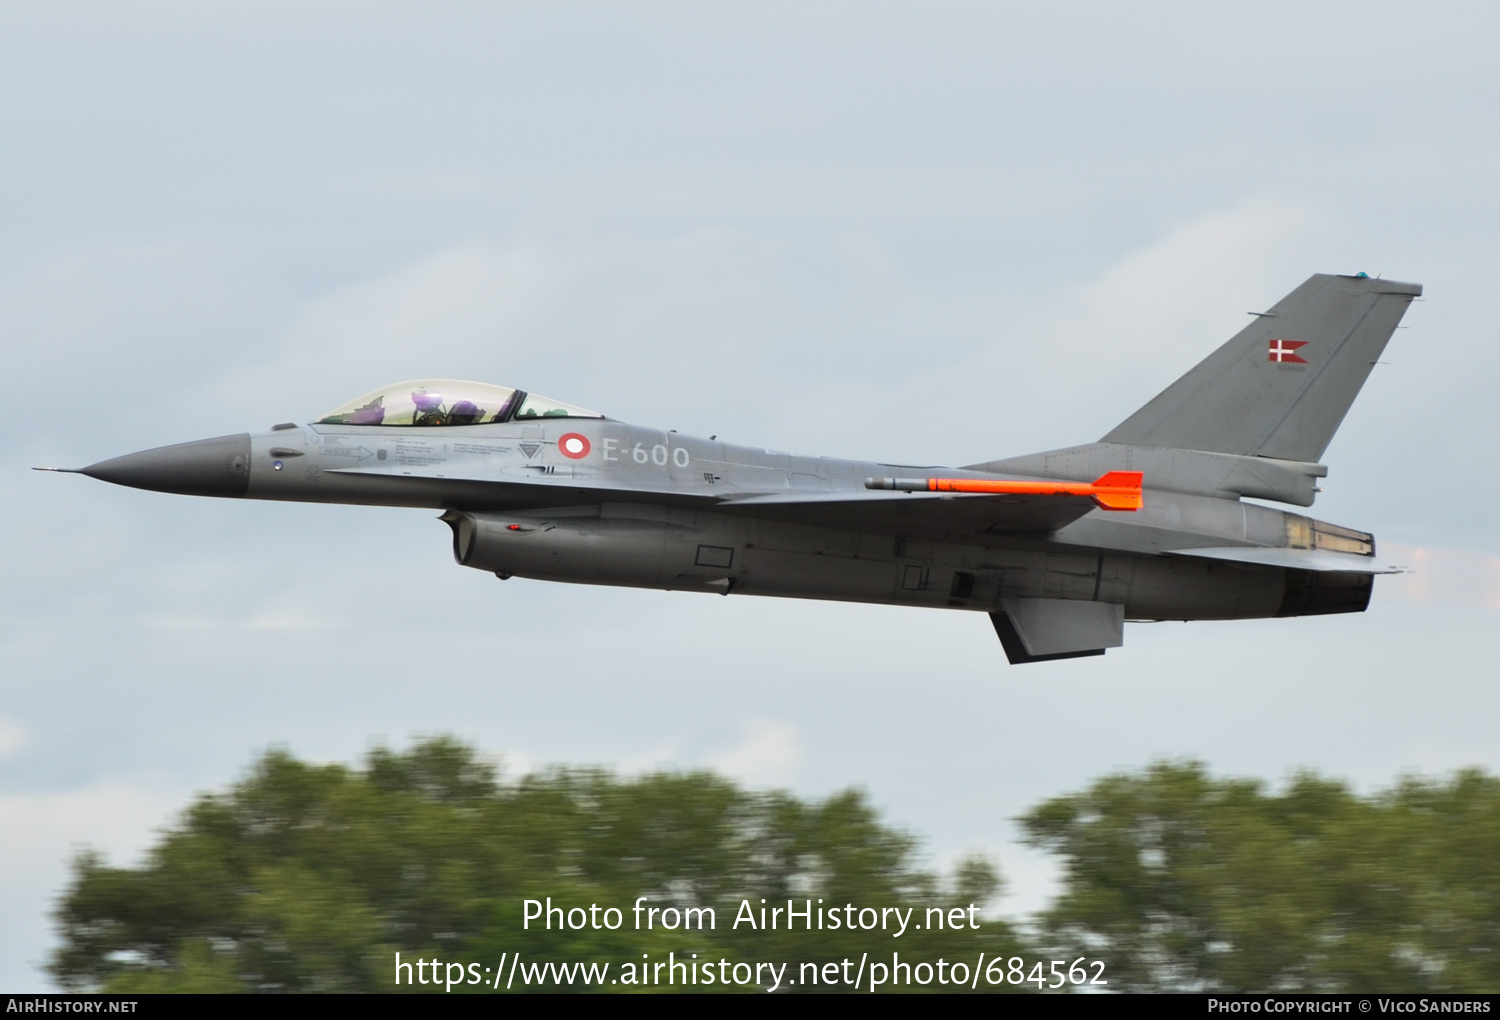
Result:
pixel 913 232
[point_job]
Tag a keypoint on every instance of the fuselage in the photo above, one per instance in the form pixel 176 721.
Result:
pixel 599 501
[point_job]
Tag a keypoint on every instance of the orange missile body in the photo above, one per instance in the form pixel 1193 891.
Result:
pixel 1114 490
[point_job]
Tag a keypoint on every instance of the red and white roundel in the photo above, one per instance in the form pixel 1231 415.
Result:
pixel 573 446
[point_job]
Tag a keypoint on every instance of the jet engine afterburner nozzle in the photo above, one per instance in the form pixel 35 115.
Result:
pixel 206 467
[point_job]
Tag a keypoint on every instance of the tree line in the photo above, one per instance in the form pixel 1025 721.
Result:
pixel 312 877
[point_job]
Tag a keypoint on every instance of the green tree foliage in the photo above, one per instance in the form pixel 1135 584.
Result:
pixel 1185 882
pixel 312 877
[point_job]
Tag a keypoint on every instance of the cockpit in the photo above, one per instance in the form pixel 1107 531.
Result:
pixel 448 402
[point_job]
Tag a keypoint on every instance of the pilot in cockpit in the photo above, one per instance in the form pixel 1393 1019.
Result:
pixel 465 412
pixel 442 402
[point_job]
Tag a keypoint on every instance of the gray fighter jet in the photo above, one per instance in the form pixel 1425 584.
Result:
pixel 1060 548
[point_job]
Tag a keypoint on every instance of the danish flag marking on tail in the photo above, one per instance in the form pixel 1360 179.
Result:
pixel 1281 350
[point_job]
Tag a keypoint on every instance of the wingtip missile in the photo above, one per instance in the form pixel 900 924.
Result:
pixel 1113 490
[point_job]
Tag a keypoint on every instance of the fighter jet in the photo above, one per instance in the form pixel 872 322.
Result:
pixel 1061 548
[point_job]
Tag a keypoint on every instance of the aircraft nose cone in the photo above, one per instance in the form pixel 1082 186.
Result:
pixel 207 467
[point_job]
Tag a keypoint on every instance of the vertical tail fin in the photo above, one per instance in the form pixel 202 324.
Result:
pixel 1281 387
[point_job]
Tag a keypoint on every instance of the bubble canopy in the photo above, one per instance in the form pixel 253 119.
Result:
pixel 448 402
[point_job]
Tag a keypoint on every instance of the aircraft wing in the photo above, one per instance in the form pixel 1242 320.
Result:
pixel 905 512
pixel 883 510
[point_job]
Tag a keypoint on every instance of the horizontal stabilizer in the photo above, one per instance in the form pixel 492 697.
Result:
pixel 1222 475
pixel 1323 560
